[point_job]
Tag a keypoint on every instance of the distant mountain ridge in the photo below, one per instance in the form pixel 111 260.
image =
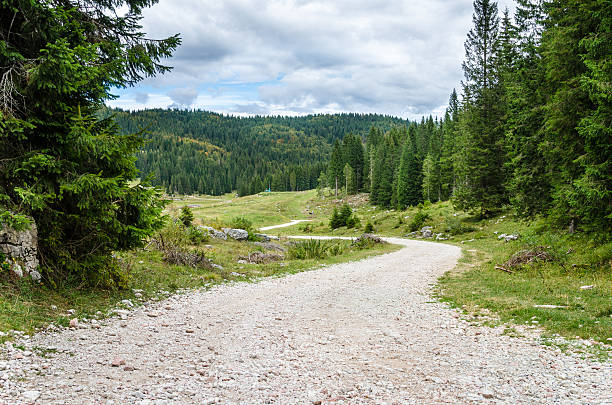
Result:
pixel 205 152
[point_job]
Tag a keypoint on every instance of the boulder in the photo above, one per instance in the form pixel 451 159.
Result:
pixel 21 248
pixel 508 238
pixel 214 233
pixel 262 237
pixel 237 234
pixel 426 232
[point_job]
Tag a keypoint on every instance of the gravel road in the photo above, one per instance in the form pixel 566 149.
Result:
pixel 286 225
pixel 363 332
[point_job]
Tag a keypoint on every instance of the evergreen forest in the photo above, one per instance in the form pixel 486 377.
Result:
pixel 530 128
pixel 203 152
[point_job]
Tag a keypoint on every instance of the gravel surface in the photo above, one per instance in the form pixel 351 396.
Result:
pixel 363 332
pixel 288 224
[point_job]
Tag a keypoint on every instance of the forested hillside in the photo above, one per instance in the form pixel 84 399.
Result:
pixel 532 126
pixel 204 152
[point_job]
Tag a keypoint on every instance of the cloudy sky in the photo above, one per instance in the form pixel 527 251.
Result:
pixel 290 57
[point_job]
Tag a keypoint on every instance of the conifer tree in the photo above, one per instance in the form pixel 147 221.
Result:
pixel 60 163
pixel 409 192
pixel 480 174
pixel 336 165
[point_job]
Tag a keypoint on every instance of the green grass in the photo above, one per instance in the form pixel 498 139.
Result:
pixel 261 209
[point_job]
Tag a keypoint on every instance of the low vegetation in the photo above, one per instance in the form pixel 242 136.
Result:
pixel 174 259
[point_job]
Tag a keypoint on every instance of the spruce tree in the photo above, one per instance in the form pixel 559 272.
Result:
pixel 409 183
pixel 336 166
pixel 61 163
pixel 480 176
pixel 576 47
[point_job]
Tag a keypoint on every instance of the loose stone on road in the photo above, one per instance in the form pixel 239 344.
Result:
pixel 362 332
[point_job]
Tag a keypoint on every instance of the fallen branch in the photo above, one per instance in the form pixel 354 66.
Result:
pixel 504 269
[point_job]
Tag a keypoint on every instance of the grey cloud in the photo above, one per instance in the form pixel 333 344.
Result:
pixel 250 108
pixel 398 57
pixel 183 96
pixel 141 97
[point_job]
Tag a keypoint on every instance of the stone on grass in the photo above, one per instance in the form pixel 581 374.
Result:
pixel 237 234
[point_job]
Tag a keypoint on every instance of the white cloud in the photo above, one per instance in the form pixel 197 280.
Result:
pixel 393 57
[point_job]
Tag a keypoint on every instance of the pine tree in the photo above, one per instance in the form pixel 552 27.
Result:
pixel 336 165
pixel 529 175
pixel 409 177
pixel 62 164
pixel 350 179
pixel 431 179
pixel 480 173
pixel 576 55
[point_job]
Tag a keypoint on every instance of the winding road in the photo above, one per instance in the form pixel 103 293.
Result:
pixel 362 332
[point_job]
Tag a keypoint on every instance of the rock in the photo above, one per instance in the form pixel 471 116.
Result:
pixel 17 270
pixel 117 361
pixel 152 314
pixel 74 323
pixel 31 395
pixel 214 233
pixel 426 232
pixel 237 234
pixel 587 287
pixel 216 266
pixel 36 276
pixel 508 238
pixel 128 368
pixel 262 237
pixel 548 306
pixel 21 247
pixel 487 394
pixel 127 303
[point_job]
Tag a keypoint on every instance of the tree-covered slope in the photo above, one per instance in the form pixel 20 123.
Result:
pixel 205 152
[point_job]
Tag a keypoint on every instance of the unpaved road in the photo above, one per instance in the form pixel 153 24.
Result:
pixel 288 224
pixel 364 332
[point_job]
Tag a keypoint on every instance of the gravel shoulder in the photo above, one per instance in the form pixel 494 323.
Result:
pixel 362 332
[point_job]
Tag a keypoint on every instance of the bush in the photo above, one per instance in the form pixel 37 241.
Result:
pixel 242 223
pixel 308 249
pixel 186 216
pixel 366 241
pixel 336 249
pixel 344 217
pixel 369 228
pixel 418 221
pixel 454 226
pixel 197 235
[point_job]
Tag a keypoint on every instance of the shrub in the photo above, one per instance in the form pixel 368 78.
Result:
pixel 344 217
pixel 366 241
pixel 197 235
pixel 308 249
pixel 335 221
pixel 241 222
pixel 336 249
pixel 186 216
pixel 418 221
pixel 369 228
pixel 454 226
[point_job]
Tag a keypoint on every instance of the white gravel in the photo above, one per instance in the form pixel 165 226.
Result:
pixel 363 332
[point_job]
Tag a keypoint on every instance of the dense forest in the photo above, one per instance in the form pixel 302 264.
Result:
pixel 203 152
pixel 531 127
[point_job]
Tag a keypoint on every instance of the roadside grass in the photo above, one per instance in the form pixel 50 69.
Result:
pixel 27 307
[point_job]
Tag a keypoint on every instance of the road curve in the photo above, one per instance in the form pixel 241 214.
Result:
pixel 285 225
pixel 362 332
